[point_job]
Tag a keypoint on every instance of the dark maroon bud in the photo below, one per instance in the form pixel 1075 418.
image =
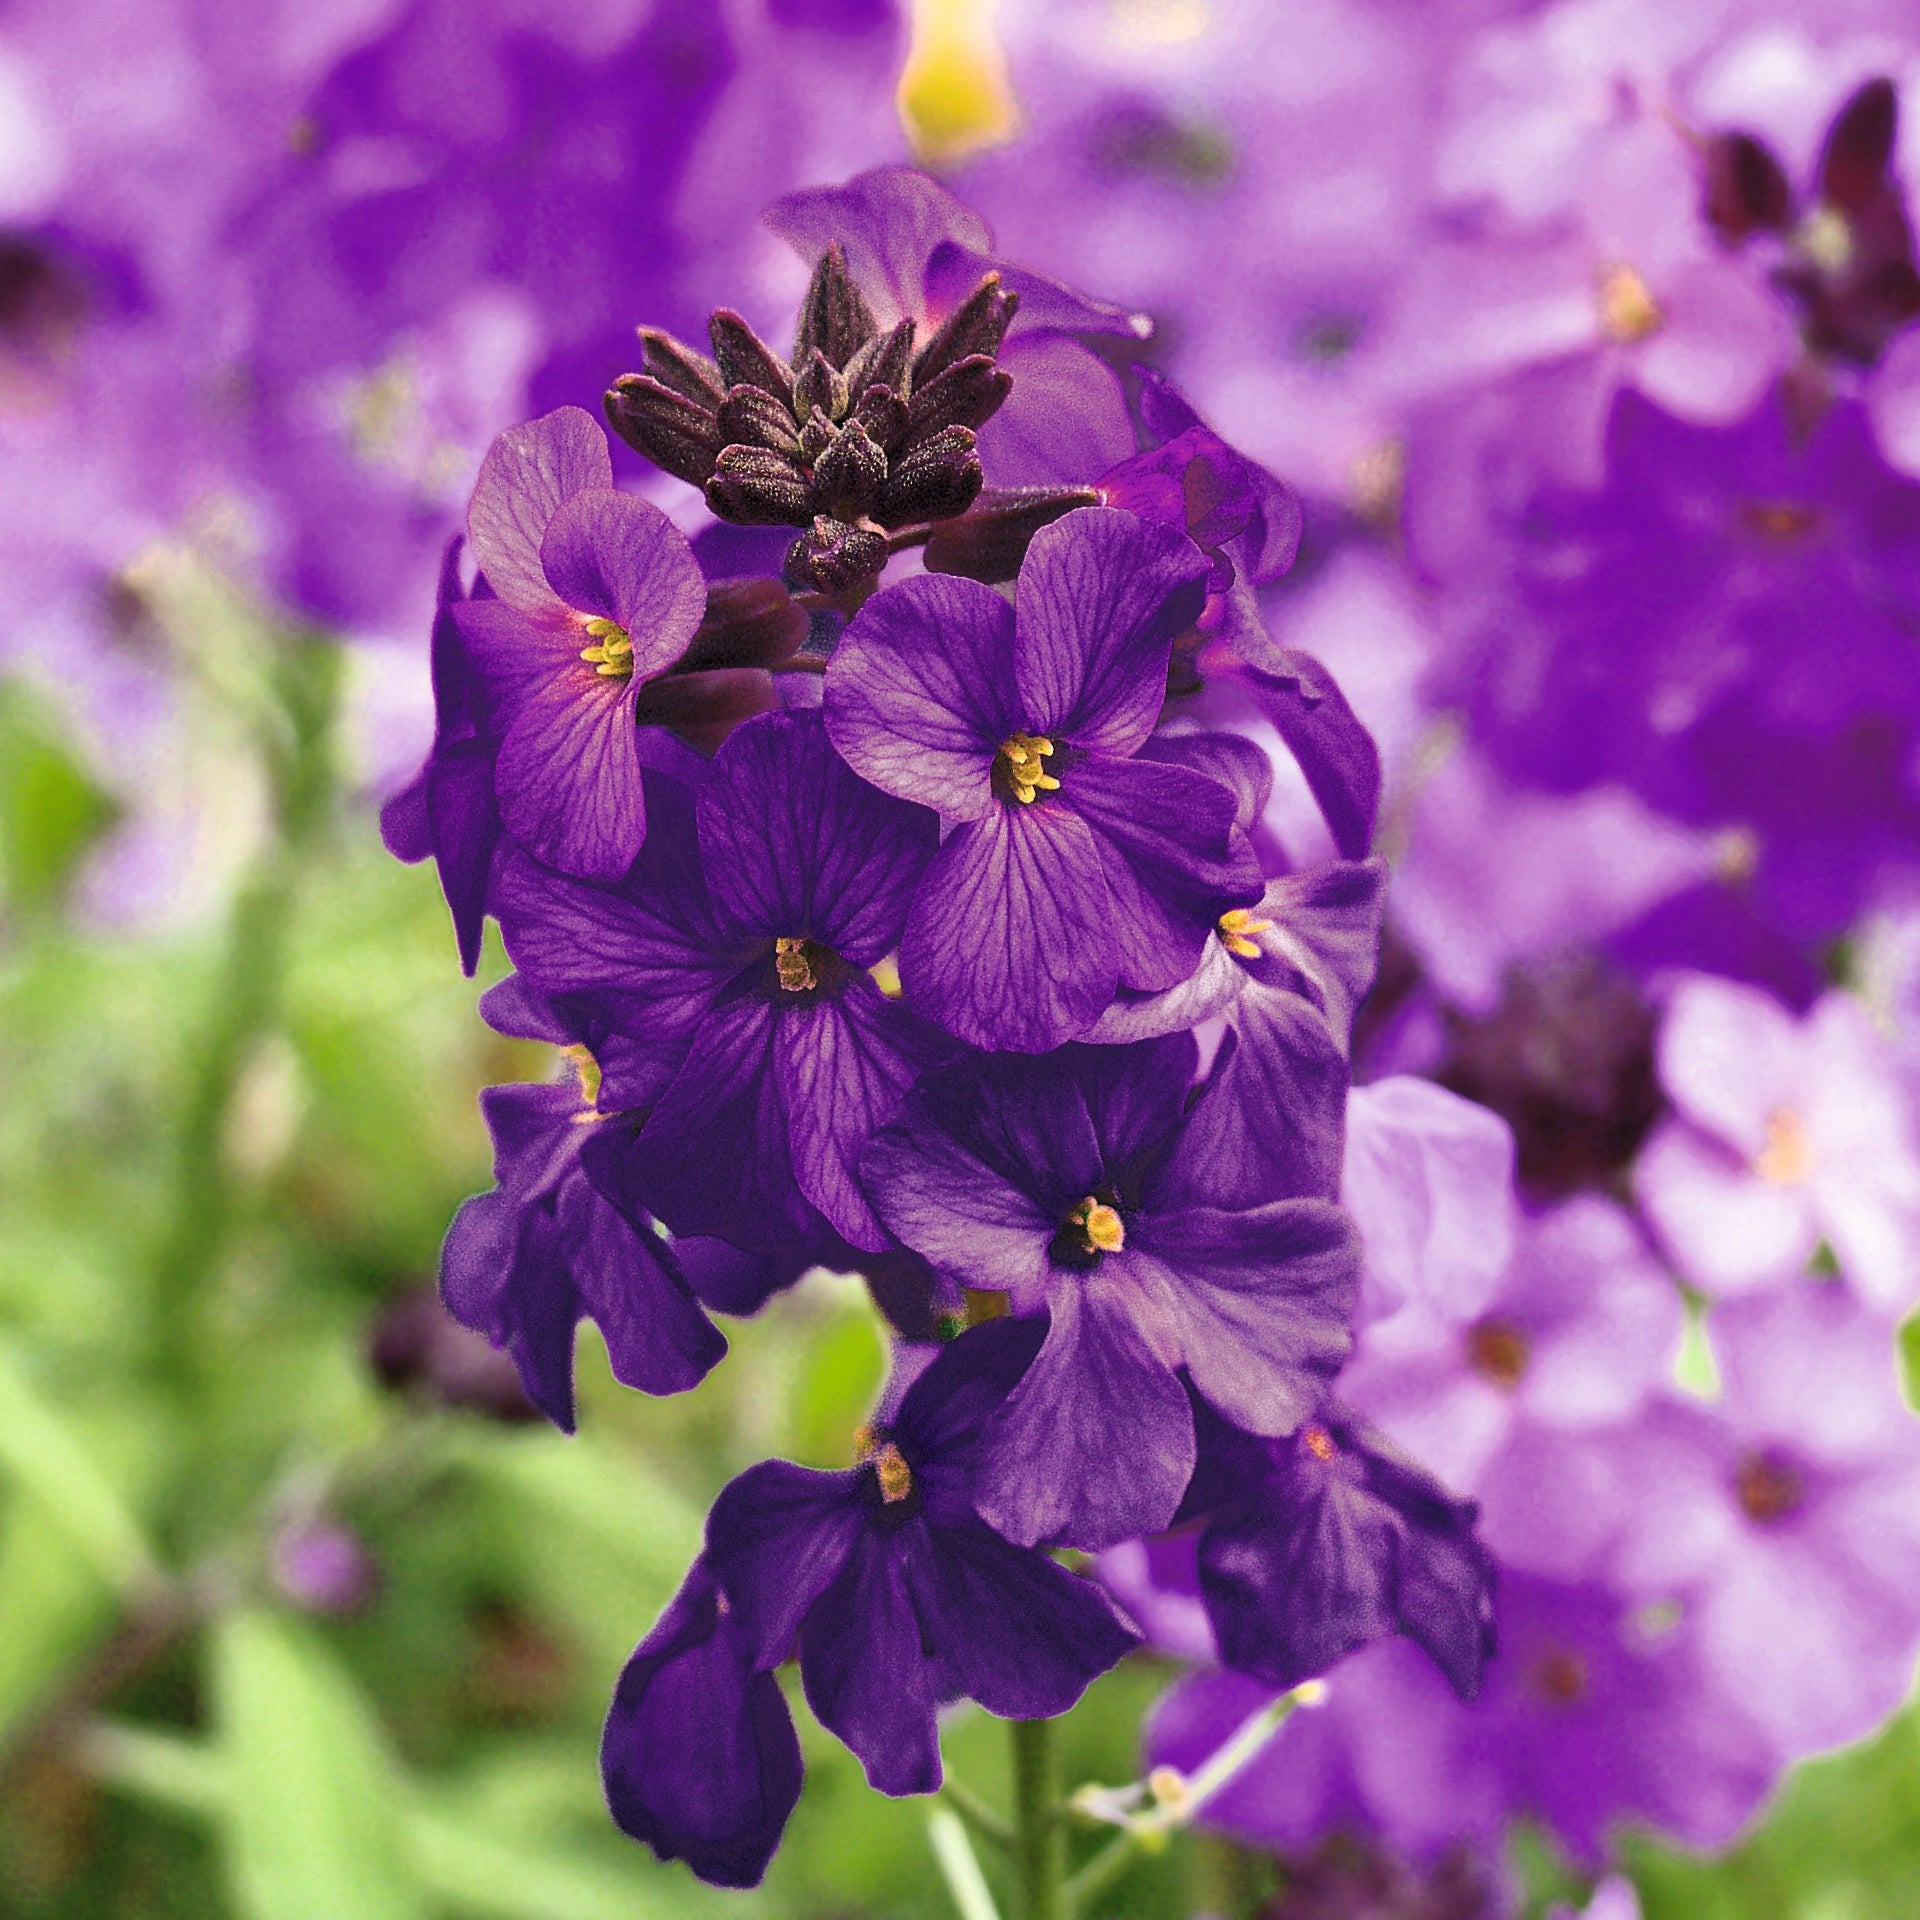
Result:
pixel 1853 163
pixel 1747 190
pixel 744 359
pixel 989 541
pixel 689 374
pixel 749 623
pixel 939 478
pixel 848 477
pixel 677 434
pixel 883 362
pixel 835 319
pixel 967 394
pixel 756 487
pixel 820 388
pixel 832 556
pixel 880 412
pixel 977 325
pixel 752 417
pixel 703 708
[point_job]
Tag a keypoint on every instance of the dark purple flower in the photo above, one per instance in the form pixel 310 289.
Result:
pixel 1076 864
pixel 1085 1185
pixel 1317 1544
pixel 731 968
pixel 596 594
pixel 556 1242
pixel 899 1596
pixel 699 1757
pixel 448 811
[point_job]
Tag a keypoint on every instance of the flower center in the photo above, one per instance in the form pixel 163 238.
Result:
pixel 1780 523
pixel 1098 1226
pixel 1628 311
pixel 1826 239
pixel 611 654
pixel 1318 1442
pixel 1497 1351
pixel 1558 1677
pixel 1020 767
pixel 588 1070
pixel 1787 1158
pixel 794 964
pixel 889 1465
pixel 1767 1487
pixel 1237 928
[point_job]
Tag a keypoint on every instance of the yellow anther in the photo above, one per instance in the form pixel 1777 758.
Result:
pixel 1826 238
pixel 885 973
pixel 1787 1158
pixel 1628 310
pixel 1024 760
pixel 611 655
pixel 1100 1225
pixel 1237 928
pixel 588 1070
pixel 1319 1442
pixel 896 1477
pixel 793 966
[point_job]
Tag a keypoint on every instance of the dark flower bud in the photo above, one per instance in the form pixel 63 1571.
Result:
pixel 882 415
pixel 699 1756
pixel 989 541
pixel 758 488
pixel 689 374
pixel 935 480
pixel 848 477
pixel 835 319
pixel 744 359
pixel 820 388
pixel 680 436
pixel 885 362
pixel 967 394
pixel 1853 163
pixel 831 556
pixel 749 623
pixel 1747 189
pixel 752 417
pixel 977 325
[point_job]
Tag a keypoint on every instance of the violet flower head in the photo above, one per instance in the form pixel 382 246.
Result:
pixel 1076 864
pixel 1317 1544
pixel 699 1757
pixel 900 1597
pixel 1788 1134
pixel 731 970
pixel 1082 1184
pixel 556 1242
pixel 596 593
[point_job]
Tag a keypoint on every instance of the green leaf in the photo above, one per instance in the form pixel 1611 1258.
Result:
pixel 315 1828
pixel 51 812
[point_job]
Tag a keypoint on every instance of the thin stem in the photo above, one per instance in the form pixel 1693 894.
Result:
pixel 1039 1844
pixel 1110 1865
pixel 986 1824
pixel 958 1867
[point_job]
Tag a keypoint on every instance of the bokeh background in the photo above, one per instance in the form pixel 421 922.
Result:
pixel 303 1614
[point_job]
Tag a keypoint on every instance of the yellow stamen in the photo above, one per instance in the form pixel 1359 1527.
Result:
pixel 1826 239
pixel 887 1461
pixel 588 1070
pixel 1100 1225
pixel 794 968
pixel 1628 311
pixel 1497 1352
pixel 611 655
pixel 1237 927
pixel 1787 1158
pixel 1319 1442
pixel 1023 758
pixel 885 973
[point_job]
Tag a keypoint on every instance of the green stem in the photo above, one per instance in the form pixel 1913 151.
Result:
pixel 980 1817
pixel 1039 1845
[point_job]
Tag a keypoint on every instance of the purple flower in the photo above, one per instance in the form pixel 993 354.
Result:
pixel 1788 1134
pixel 699 1756
pixel 1076 864
pixel 557 1241
pixel 899 1596
pixel 596 593
pixel 1785 1517
pixel 731 970
pixel 1083 1184
pixel 1320 1543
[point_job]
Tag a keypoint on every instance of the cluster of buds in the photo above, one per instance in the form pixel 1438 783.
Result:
pixel 854 439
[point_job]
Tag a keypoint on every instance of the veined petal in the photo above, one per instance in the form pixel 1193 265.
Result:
pixel 620 558
pixel 1010 942
pixel 527 473
pixel 777 1539
pixel 920 692
pixel 1100 599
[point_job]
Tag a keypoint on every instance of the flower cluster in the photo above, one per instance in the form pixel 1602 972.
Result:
pixel 881 925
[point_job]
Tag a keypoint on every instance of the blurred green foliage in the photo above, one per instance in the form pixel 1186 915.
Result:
pixel 221 1152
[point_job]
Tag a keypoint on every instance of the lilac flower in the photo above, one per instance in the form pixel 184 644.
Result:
pixel 699 1756
pixel 731 969
pixel 1498 1389
pixel 1082 1184
pixel 556 1242
pixel 1076 865
pixel 1788 1133
pixel 1318 1544
pixel 899 1595
pixel 1785 1517
pixel 595 594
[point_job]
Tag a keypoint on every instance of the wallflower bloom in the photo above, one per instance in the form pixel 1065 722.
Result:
pixel 901 1597
pixel 1084 1185
pixel 595 593
pixel 1076 865
pixel 730 967
pixel 1788 1133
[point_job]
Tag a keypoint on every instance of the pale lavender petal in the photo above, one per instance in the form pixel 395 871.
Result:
pixel 1101 597
pixel 920 693
pixel 1730 1055
pixel 1065 422
pixel 527 473
pixel 1727 1229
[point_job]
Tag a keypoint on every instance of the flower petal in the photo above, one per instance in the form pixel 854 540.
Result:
pixel 527 473
pixel 1335 751
pixel 777 1538
pixel 620 558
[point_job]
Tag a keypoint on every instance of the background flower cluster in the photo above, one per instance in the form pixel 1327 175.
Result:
pixel 1585 335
